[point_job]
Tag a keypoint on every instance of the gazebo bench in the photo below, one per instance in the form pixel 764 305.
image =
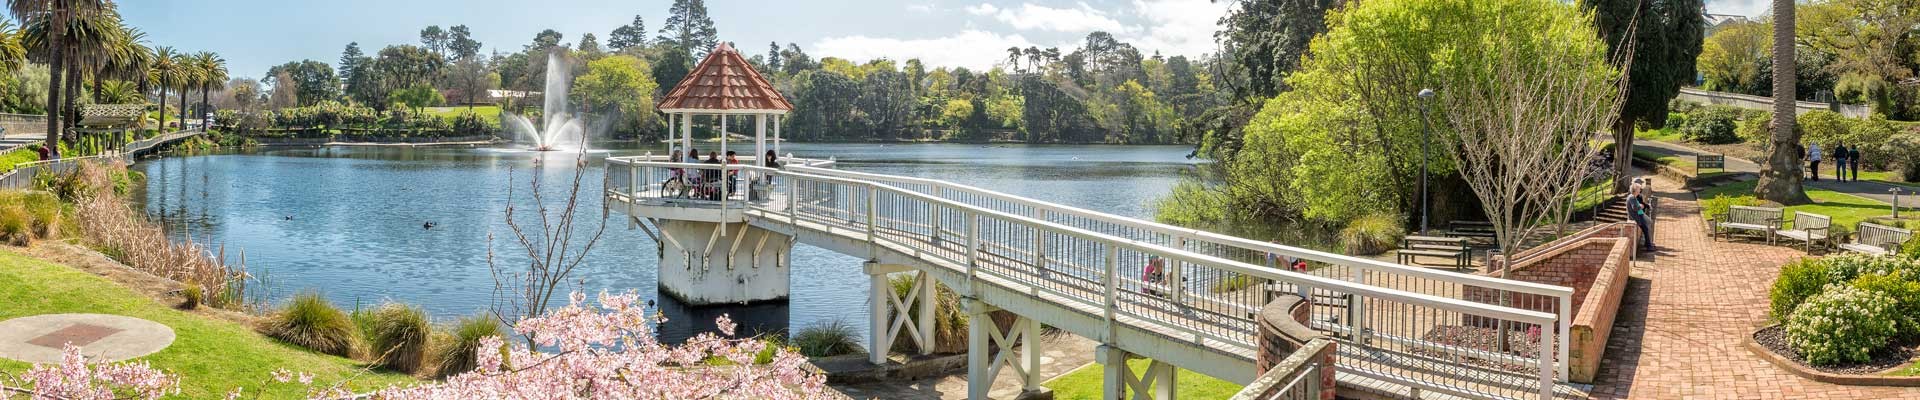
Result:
pixel 1872 238
pixel 1764 220
pixel 1808 228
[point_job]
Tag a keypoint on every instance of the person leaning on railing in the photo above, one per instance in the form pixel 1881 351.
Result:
pixel 710 178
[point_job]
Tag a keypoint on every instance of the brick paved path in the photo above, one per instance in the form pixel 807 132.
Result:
pixel 1686 316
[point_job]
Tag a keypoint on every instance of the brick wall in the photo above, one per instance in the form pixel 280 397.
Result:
pixel 1595 263
pixel 1282 334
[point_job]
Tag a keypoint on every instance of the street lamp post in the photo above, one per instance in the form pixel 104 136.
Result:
pixel 1426 130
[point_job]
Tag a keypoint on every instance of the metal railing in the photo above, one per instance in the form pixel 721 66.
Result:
pixel 1518 294
pixel 21 177
pixel 1439 343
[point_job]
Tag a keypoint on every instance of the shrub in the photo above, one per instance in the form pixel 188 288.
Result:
pixel 312 322
pixel 1371 234
pixel 1904 289
pixel 456 353
pixel 1841 325
pixel 1911 249
pixel 397 337
pixel 194 297
pixel 949 321
pixel 1682 106
pixel 1798 280
pixel 1826 128
pixel 1718 206
pixel 827 340
pixel 1712 125
pixel 1845 267
pixel 1675 120
pixel 1755 129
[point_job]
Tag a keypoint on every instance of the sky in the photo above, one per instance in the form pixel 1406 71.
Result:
pixel 256 35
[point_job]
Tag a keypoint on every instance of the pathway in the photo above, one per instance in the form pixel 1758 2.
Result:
pixel 1687 313
pixel 40 339
pixel 1872 190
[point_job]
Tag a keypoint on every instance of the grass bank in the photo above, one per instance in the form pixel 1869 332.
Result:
pixel 211 356
pixel 1086 383
pixel 491 114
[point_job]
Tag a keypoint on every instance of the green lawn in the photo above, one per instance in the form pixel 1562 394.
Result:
pixel 210 356
pixel 1085 383
pixel 1669 135
pixel 1845 209
pixel 1682 163
pixel 16 157
pixel 491 114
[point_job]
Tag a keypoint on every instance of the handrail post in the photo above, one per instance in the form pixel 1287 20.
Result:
pixel 1357 308
pixel 1565 317
pixel 793 204
pixel 1112 289
pixel 933 211
pixel 1546 366
pixel 973 249
pixel 873 242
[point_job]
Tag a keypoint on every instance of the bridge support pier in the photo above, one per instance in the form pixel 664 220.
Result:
pixel 707 263
pixel 1156 383
pixel 890 311
pixel 1018 345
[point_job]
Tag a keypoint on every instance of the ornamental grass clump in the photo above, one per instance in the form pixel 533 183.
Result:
pixel 456 351
pixel 827 340
pixel 1842 325
pixel 310 321
pixel 1371 234
pixel 398 337
pixel 949 321
pixel 28 216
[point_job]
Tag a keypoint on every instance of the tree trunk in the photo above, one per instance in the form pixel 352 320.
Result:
pixel 55 74
pixel 74 78
pixel 206 107
pixel 97 86
pixel 163 109
pixel 183 106
pixel 1780 176
pixel 1622 154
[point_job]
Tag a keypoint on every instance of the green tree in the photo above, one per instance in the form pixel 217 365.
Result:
pixel 1872 42
pixel 213 75
pixel 1267 39
pixel 417 97
pixel 1664 38
pixel 619 85
pixel 405 66
pixel 434 39
pixel 462 44
pixel 629 35
pixel 313 81
pixel 689 28
pixel 1730 60
pixel 58 13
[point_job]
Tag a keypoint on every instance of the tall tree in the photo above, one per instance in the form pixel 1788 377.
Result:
pixel 213 73
pixel 1266 39
pixel 689 28
pixel 1730 60
pixel 462 44
pixel 1780 175
pixel 435 39
pixel 58 13
pixel 629 35
pixel 313 81
pixel 1658 42
pixel 165 72
pixel 544 41
pixel 589 44
pixel 1872 42
pixel 773 56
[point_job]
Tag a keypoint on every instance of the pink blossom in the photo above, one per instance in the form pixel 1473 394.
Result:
pixel 74 379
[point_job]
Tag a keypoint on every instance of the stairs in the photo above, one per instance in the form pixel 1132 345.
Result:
pixel 1614 210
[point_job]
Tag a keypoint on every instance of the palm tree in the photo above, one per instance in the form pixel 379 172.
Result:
pixel 165 72
pixel 190 77
pixel 92 39
pixel 1780 176
pixel 12 53
pixel 1013 57
pixel 58 12
pixel 212 71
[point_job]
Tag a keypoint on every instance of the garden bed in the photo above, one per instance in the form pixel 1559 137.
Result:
pixel 1770 343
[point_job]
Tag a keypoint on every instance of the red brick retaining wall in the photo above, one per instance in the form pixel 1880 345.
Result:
pixel 1595 263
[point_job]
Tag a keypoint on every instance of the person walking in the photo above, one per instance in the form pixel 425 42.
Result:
pixel 1853 157
pixel 1813 160
pixel 1637 210
pixel 1840 162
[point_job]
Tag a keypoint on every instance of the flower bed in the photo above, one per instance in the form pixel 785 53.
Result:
pixel 1844 315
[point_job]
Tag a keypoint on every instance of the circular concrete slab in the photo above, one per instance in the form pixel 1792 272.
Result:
pixel 102 338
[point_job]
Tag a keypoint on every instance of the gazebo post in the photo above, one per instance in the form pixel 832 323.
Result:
pixel 760 137
pixel 686 131
pixel 776 133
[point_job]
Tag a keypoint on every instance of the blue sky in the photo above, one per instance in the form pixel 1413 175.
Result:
pixel 255 35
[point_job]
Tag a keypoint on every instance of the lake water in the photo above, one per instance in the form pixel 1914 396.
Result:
pixel 347 222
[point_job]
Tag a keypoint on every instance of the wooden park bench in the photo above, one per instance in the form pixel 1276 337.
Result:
pixel 1764 220
pixel 1808 228
pixel 1877 239
pixel 1470 229
pixel 1456 248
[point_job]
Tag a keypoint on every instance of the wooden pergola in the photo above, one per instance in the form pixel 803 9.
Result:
pixel 722 85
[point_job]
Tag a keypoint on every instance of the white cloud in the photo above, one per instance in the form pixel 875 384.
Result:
pixel 1177 27
pixel 921 8
pixel 1750 8
pixel 1029 16
pixel 971 48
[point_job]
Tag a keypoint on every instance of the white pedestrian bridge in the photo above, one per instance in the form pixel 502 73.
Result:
pixel 1401 331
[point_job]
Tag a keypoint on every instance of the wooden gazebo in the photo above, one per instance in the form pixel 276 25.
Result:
pixel 723 85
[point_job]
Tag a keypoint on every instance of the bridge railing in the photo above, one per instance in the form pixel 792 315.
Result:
pixel 1530 296
pixel 657 177
pixel 1127 281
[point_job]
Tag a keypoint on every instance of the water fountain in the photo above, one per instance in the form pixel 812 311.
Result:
pixel 563 132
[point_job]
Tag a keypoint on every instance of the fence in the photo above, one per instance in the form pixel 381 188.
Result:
pixel 1408 337
pixel 21 177
pixel 23 125
pixel 1766 103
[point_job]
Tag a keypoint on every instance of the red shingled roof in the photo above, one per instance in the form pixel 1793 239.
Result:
pixel 724 81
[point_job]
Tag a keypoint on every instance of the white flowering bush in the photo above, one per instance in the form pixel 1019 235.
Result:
pixel 1846 267
pixel 1843 324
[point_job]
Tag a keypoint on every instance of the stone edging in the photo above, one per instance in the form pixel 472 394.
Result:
pixel 1817 375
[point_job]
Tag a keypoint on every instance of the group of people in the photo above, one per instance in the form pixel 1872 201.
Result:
pixel 706 183
pixel 1844 160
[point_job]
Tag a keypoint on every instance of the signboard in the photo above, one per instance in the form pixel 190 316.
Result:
pixel 1705 161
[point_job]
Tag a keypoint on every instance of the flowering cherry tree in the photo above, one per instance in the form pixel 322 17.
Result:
pixel 585 351
pixel 74 379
